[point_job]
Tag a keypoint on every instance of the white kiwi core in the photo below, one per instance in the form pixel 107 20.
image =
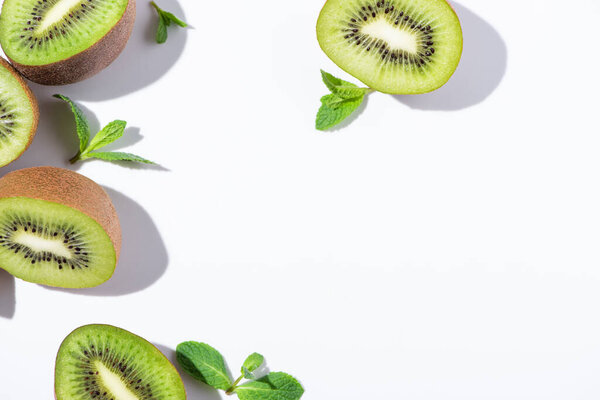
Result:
pixel 113 383
pixel 396 38
pixel 39 244
pixel 57 13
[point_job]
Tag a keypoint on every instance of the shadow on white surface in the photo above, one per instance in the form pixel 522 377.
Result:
pixel 7 295
pixel 142 62
pixel 144 257
pixel 479 73
pixel 195 390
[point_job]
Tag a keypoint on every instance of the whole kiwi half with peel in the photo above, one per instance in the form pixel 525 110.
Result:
pixel 103 362
pixel 393 46
pixel 56 42
pixel 19 114
pixel 57 228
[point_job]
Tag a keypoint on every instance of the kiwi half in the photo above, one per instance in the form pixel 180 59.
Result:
pixel 393 46
pixel 19 114
pixel 57 228
pixel 55 42
pixel 102 362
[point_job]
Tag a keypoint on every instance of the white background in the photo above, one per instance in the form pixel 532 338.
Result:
pixel 443 246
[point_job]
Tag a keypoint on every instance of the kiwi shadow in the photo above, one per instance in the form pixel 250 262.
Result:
pixel 195 390
pixel 481 69
pixel 55 141
pixel 144 257
pixel 142 62
pixel 7 295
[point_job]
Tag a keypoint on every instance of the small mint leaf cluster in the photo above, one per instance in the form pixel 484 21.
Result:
pixel 89 148
pixel 206 364
pixel 165 19
pixel 344 99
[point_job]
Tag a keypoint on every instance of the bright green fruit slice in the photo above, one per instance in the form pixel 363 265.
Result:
pixel 52 244
pixel 102 362
pixel 18 114
pixel 393 46
pixel 38 32
pixel 57 228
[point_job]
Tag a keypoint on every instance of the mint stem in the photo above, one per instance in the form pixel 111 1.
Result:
pixel 230 391
pixel 76 158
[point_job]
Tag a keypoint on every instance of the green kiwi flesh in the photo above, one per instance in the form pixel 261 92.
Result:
pixel 393 46
pixel 18 114
pixel 103 362
pixel 53 244
pixel 64 41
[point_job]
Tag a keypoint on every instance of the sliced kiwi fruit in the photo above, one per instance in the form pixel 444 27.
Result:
pixel 19 114
pixel 55 42
pixel 57 228
pixel 102 362
pixel 393 46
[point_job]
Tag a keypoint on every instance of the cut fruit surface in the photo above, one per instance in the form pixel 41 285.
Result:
pixel 18 114
pixel 393 46
pixel 37 32
pixel 63 41
pixel 52 244
pixel 57 228
pixel 102 362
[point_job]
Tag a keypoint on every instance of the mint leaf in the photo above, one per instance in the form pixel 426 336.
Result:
pixel 161 31
pixel 83 128
pixel 253 362
pixel 204 363
pixel 164 20
pixel 247 374
pixel 335 109
pixel 116 156
pixel 172 18
pixel 274 386
pixel 107 135
pixel 341 88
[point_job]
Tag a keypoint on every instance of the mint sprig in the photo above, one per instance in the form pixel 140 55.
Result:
pixel 107 135
pixel 344 99
pixel 165 19
pixel 206 364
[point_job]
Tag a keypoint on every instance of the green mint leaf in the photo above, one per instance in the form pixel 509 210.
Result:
pixel 335 109
pixel 341 88
pixel 83 128
pixel 274 386
pixel 253 362
pixel 116 156
pixel 173 18
pixel 164 20
pixel 331 81
pixel 161 32
pixel 107 135
pixel 247 374
pixel 204 363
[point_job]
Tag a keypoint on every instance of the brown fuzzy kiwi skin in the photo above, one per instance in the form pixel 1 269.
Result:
pixel 69 188
pixel 89 62
pixel 32 101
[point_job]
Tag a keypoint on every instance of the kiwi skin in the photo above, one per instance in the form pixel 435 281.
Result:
pixel 89 62
pixel 69 188
pixel 32 101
